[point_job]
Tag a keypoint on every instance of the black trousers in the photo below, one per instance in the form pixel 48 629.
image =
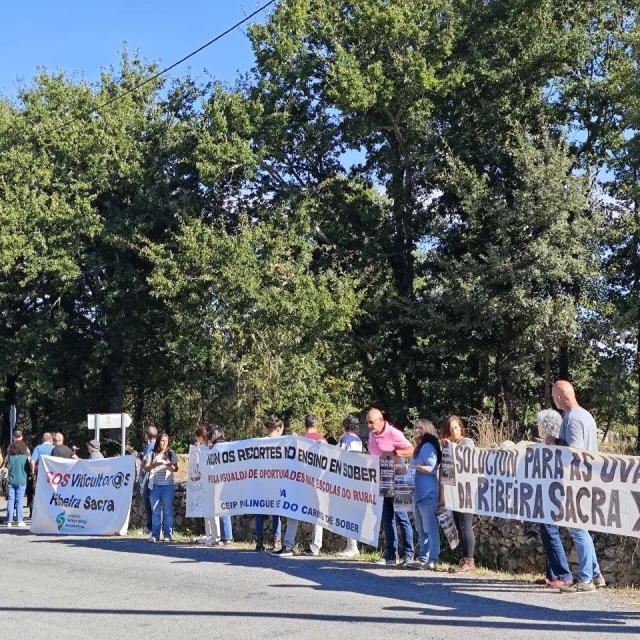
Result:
pixel 464 522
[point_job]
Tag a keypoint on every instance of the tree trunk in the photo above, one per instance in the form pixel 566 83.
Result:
pixel 547 377
pixel 10 397
pixel 563 361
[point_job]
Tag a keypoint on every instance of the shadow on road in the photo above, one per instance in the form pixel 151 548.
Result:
pixel 436 598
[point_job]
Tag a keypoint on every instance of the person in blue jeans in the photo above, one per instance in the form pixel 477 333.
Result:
pixel 578 430
pixel 18 461
pixel 275 428
pixel 161 464
pixel 558 571
pixel 425 462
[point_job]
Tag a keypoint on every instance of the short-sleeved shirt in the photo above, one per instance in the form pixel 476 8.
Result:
pixel 43 449
pixel 161 475
pixel 350 442
pixel 18 465
pixel 318 437
pixel 148 448
pixel 388 440
pixel 62 451
pixel 579 430
pixel 426 483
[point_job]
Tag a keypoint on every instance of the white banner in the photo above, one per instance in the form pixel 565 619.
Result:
pixel 83 497
pixel 295 478
pixel 555 485
pixel 196 482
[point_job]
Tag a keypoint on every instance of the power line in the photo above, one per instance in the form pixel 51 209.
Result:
pixel 160 73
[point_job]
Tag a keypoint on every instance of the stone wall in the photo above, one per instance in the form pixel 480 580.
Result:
pixel 506 545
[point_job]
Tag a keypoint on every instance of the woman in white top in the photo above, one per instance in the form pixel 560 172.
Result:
pixel 161 464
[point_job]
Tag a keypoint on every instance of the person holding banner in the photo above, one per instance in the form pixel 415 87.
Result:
pixel 214 435
pixel 453 430
pixel 311 433
pixel 350 441
pixel 426 461
pixel 275 428
pixel 160 465
pixel 578 430
pixel 383 439
pixel 557 570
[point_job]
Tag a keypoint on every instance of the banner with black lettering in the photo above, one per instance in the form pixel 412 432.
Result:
pixel 83 497
pixel 555 485
pixel 296 478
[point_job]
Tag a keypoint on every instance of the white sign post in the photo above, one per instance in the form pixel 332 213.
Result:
pixel 98 421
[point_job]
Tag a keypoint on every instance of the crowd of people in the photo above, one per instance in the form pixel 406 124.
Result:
pixel 159 463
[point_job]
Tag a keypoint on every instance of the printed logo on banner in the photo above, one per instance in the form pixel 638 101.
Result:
pixel 90 497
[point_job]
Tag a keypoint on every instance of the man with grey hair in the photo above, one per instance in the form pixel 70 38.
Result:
pixel 558 572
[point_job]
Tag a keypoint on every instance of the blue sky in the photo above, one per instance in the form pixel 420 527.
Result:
pixel 84 35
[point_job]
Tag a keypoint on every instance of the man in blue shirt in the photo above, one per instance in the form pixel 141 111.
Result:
pixel 578 430
pixel 43 449
pixel 150 436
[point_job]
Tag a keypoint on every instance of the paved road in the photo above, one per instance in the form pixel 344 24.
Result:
pixel 63 587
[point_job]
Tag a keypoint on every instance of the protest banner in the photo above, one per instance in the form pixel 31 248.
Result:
pixel 195 484
pixel 296 478
pixel 83 497
pixel 555 485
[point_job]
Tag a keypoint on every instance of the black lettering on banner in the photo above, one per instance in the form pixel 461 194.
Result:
pixel 547 456
pixel 586 476
pixel 459 461
pixel 625 468
pixel 559 474
pixel 606 474
pixel 556 488
pixel 575 467
pixel 526 492
pixel 613 517
pixel 583 492
pixel 499 496
pixel 538 503
pixel 528 459
pixel 599 497
pixel 636 475
pixel 569 505
pixel 636 498
pixel 483 487
pixel 460 495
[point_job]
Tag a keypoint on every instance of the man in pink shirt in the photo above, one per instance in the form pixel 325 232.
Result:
pixel 383 438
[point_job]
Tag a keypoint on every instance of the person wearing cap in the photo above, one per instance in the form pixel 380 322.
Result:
pixel 94 450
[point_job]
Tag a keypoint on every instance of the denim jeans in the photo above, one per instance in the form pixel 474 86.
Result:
pixel 292 529
pixel 424 515
pixel 15 497
pixel 555 558
pixel 162 510
pixel 276 524
pixel 587 561
pixel 389 518
pixel 227 532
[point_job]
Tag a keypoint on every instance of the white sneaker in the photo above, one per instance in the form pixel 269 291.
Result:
pixel 348 553
pixel 202 539
pixel 9 525
pixel 22 524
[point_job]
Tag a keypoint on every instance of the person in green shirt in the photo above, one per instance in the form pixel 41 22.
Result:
pixel 18 461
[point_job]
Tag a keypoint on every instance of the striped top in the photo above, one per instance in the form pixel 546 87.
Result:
pixel 160 475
